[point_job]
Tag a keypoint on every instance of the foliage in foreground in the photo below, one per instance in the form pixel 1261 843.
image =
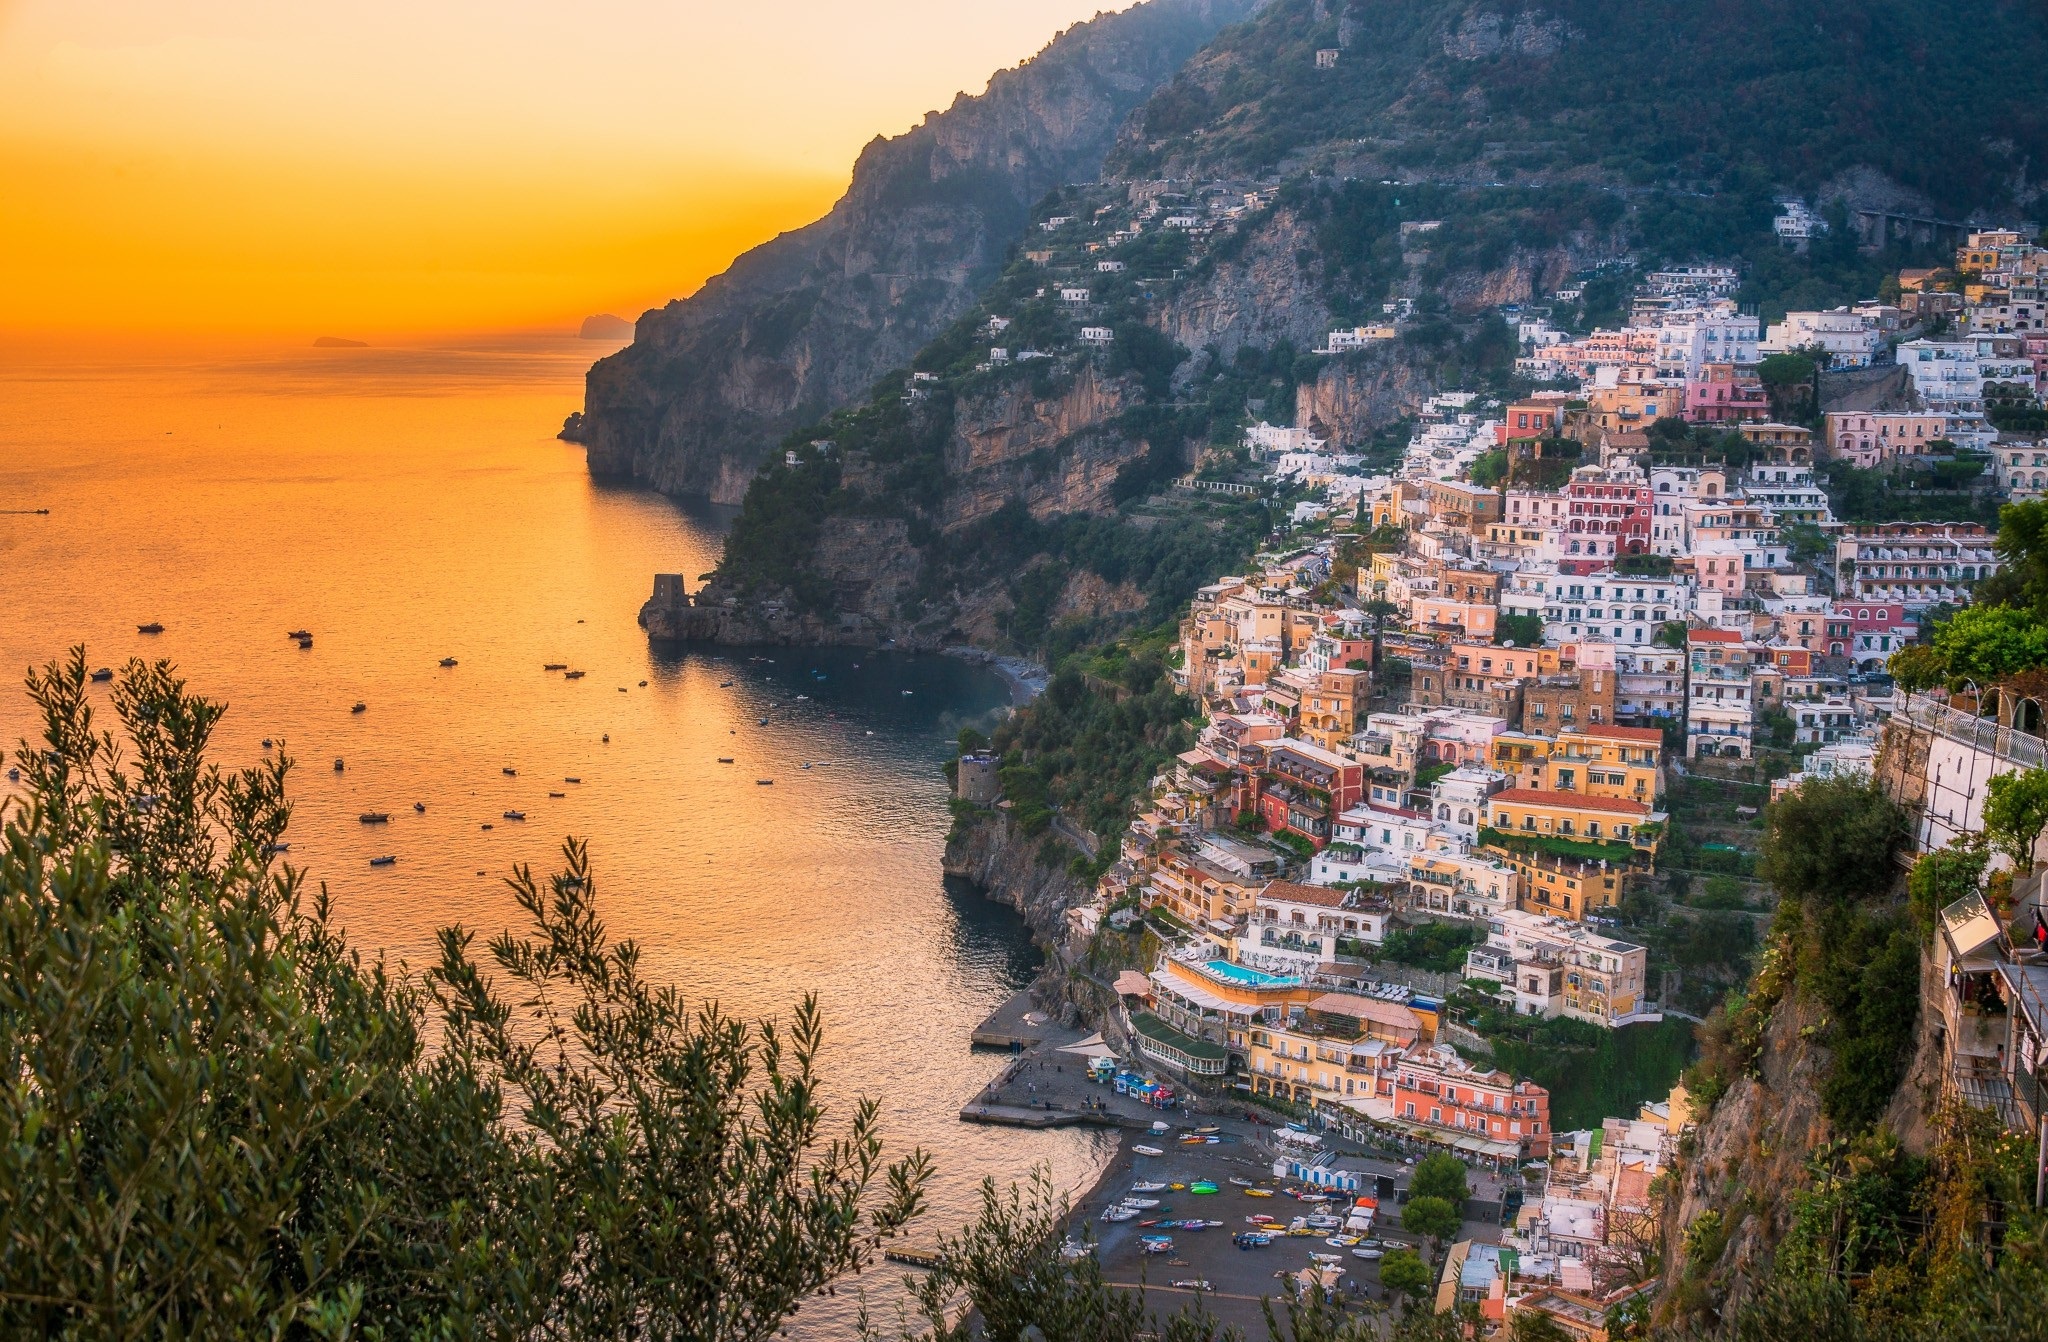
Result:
pixel 223 1122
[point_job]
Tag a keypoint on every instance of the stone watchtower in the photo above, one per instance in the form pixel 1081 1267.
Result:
pixel 977 779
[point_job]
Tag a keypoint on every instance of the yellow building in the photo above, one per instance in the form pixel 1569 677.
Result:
pixel 1337 1048
pixel 1573 852
pixel 1594 760
pixel 1333 709
pixel 1202 893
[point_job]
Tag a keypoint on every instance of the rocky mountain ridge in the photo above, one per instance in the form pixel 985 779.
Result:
pixel 804 323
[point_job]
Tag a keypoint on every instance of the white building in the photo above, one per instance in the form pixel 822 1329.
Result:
pixel 1612 606
pixel 1073 295
pixel 1097 335
pixel 1560 967
pixel 1850 339
pixel 1945 373
pixel 1797 223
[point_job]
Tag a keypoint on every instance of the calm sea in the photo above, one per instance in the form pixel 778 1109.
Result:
pixel 409 505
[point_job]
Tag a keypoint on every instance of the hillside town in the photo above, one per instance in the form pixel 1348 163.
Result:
pixel 1453 696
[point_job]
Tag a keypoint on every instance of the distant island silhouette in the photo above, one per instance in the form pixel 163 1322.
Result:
pixel 605 326
pixel 337 342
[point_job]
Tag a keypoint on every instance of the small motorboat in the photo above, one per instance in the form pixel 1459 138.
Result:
pixel 300 633
pixel 489 825
pixel 606 738
pixel 725 759
pixel 1148 1150
pixel 151 628
pixel 1148 1186
pixel 1142 1204
pixel 909 692
pixel 387 860
pixel 337 764
pixel 515 815
pixel 643 684
pixel 305 643
pixel 1369 1255
pixel 1208 1128
pixel 573 675
pixel 1163 1244
pixel 277 848
pixel 554 666
pixel 447 661
pixel 724 684
pixel 374 818
pixel 266 743
pixel 764 782
pixel 558 794
pixel 567 779
pixel 13 775
pixel 1120 1214
pixel 420 807
pixel 622 689
pixel 1241 1183
pixel 801 697
pixel 360 707
pixel 509 773
pixel 807 764
pixel 103 674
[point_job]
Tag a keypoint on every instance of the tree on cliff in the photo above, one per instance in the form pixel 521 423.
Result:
pixel 1831 840
pixel 221 1122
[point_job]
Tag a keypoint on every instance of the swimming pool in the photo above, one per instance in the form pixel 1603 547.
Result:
pixel 1249 978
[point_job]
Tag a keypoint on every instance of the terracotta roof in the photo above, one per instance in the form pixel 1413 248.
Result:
pixel 1396 1014
pixel 1648 735
pixel 1578 801
pixel 1320 895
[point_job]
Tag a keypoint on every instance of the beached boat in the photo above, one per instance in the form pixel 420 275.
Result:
pixel 447 661
pixel 1256 1192
pixel 384 861
pixel 1241 1183
pixel 373 818
pixel 1208 1128
pixel 1120 1214
pixel 1148 1150
pixel 1369 1255
pixel 104 673
pixel 359 707
pixel 1201 1186
pixel 515 815
pixel 151 628
pixel 1142 1204
pixel 1147 1186
pixel 554 666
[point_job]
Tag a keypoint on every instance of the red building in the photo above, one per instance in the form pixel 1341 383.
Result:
pixel 1606 519
pixel 1875 630
pixel 1436 1088
pixel 1304 788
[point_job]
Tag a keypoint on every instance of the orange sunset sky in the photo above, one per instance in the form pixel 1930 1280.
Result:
pixel 283 167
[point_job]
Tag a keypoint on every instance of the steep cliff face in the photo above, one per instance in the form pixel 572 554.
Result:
pixel 1056 454
pixel 1270 290
pixel 805 323
pixel 1353 396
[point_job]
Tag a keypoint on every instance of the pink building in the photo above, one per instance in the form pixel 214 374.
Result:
pixel 1723 393
pixel 1867 439
pixel 1877 629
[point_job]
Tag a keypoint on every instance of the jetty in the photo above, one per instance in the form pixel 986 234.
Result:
pixel 1014 1026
